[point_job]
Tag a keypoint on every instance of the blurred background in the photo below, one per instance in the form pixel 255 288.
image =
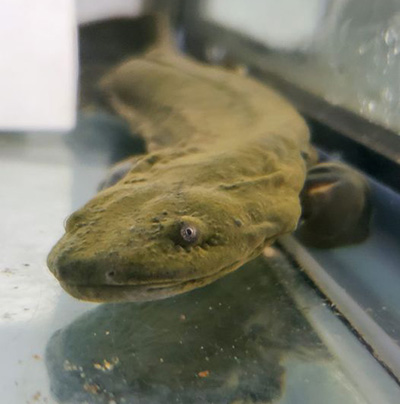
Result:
pixel 343 50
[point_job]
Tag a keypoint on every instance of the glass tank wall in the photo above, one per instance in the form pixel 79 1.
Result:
pixel 278 330
pixel 346 51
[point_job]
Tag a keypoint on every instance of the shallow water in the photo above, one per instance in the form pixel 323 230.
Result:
pixel 260 335
pixel 223 343
pixel 277 344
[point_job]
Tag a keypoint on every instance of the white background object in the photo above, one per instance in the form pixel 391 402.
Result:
pixel 283 24
pixel 93 10
pixel 38 64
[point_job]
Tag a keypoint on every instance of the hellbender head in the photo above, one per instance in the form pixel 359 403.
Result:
pixel 152 242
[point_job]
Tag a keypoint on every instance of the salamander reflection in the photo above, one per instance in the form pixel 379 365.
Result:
pixel 222 344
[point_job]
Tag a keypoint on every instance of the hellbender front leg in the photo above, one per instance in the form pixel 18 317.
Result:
pixel 336 207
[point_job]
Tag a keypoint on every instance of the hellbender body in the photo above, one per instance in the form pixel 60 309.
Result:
pixel 226 164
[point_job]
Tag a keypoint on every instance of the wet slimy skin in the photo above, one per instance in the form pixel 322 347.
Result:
pixel 227 161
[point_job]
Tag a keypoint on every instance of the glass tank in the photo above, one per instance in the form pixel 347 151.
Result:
pixel 295 324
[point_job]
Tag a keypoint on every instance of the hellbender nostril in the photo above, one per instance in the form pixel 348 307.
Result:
pixel 110 277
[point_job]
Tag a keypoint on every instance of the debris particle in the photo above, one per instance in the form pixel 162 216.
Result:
pixel 69 367
pixel 182 317
pixel 161 360
pixel 91 388
pixel 37 357
pixel 106 365
pixel 36 396
pixel 203 373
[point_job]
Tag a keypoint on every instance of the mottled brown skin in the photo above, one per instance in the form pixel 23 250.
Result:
pixel 227 158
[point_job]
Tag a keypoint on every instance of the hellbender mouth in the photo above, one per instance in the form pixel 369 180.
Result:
pixel 142 292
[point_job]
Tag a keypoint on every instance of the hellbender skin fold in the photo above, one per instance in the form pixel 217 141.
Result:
pixel 227 160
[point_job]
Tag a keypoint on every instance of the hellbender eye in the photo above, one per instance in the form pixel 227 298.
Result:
pixel 189 233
